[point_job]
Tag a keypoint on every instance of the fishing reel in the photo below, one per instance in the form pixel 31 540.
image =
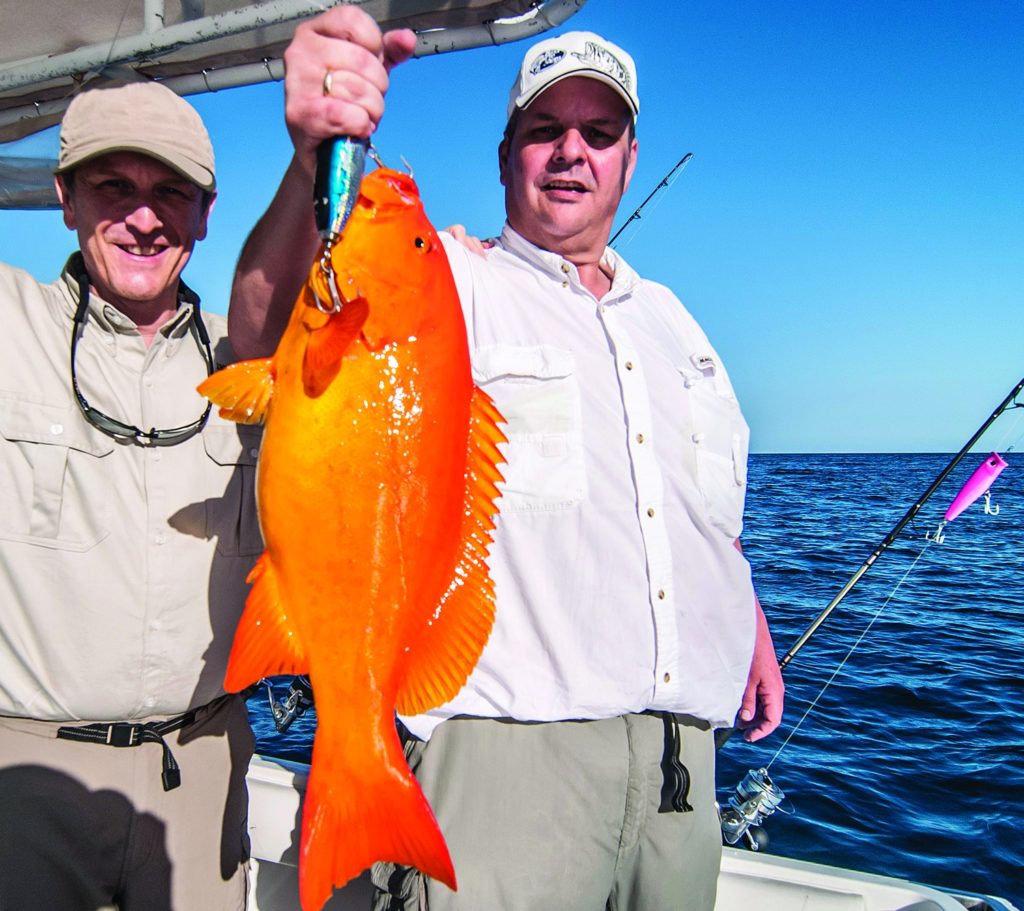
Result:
pixel 299 698
pixel 755 799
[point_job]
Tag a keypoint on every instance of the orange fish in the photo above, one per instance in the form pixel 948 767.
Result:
pixel 376 490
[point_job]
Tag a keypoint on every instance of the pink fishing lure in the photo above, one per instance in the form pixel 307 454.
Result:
pixel 976 485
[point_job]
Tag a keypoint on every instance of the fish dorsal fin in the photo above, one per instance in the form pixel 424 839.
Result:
pixel 266 641
pixel 326 345
pixel 242 390
pixel 443 657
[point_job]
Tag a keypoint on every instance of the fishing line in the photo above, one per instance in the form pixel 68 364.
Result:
pixel 1014 431
pixel 848 655
pixel 117 32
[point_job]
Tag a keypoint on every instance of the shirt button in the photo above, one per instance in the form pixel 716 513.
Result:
pixel 661 594
pixel 667 678
pixel 254 452
pixel 639 437
pixel 629 365
pixel 689 382
pixel 566 268
pixel 698 437
pixel 650 511
pixel 56 429
pixel 155 625
pixel 565 284
pixel 156 455
pixel 160 538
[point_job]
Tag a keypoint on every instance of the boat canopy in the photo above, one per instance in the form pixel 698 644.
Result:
pixel 53 48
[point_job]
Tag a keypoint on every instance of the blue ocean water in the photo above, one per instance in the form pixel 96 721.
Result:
pixel 911 762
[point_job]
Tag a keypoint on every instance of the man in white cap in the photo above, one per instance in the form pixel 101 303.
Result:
pixel 575 770
pixel 127 529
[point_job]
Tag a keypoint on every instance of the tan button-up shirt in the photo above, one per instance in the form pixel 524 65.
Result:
pixel 122 566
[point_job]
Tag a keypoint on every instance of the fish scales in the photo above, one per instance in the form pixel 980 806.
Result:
pixel 377 488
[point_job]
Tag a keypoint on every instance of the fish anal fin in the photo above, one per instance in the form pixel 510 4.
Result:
pixel 242 390
pixel 357 813
pixel 266 642
pixel 443 657
pixel 327 344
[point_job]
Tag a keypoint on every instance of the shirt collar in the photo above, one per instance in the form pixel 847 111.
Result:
pixel 110 318
pixel 624 278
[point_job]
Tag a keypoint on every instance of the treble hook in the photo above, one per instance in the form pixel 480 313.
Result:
pixel 990 510
pixel 937 536
pixel 328 271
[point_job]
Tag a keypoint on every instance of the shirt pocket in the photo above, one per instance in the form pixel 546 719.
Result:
pixel 232 517
pixel 721 441
pixel 55 476
pixel 536 390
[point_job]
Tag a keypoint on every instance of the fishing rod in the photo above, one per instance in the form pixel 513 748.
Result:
pixel 665 183
pixel 756 797
pixel 1005 405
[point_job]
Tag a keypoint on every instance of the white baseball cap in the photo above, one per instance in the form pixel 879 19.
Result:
pixel 574 54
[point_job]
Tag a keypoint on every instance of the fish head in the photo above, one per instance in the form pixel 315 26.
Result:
pixel 390 256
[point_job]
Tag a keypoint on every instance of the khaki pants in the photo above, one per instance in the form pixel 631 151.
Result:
pixel 563 815
pixel 88 827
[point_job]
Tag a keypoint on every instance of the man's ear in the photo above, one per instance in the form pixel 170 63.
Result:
pixel 634 148
pixel 66 201
pixel 503 161
pixel 204 218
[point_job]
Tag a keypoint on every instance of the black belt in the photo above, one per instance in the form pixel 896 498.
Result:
pixel 126 734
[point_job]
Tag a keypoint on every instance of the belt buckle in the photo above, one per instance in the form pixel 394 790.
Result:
pixel 121 734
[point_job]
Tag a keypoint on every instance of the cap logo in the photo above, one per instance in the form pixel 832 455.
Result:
pixel 548 58
pixel 600 58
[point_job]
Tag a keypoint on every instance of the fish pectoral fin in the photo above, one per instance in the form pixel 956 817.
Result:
pixel 242 390
pixel 266 642
pixel 441 660
pixel 326 346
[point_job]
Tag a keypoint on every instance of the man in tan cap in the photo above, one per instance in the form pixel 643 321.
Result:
pixel 575 770
pixel 127 528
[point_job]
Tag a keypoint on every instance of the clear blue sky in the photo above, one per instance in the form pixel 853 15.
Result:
pixel 850 231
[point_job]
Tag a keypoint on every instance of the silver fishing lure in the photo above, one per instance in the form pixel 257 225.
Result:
pixel 339 172
pixel 340 163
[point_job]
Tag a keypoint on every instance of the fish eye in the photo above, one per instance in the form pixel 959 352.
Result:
pixel 420 243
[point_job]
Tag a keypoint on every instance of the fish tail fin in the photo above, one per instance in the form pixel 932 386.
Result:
pixel 352 819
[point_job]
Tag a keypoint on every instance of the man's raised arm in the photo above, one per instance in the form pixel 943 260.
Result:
pixel 345 43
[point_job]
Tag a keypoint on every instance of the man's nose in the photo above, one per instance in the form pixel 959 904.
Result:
pixel 144 217
pixel 570 146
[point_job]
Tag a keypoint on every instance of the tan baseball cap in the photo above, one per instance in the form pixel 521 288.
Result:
pixel 143 117
pixel 574 54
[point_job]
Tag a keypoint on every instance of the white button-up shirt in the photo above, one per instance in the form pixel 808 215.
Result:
pixel 619 587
